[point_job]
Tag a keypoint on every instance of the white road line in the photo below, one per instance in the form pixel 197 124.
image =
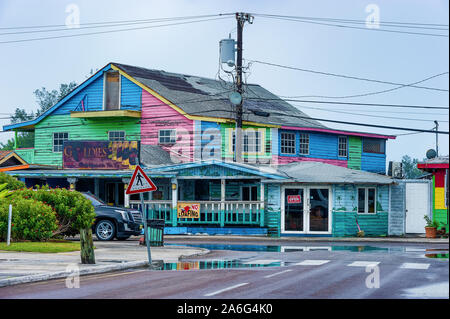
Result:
pixel 312 262
pixel 415 266
pixel 363 263
pixel 277 273
pixel 225 289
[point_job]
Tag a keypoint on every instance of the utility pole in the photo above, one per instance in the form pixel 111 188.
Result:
pixel 241 18
pixel 437 145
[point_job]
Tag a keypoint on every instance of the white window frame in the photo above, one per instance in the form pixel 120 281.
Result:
pixel 245 133
pixel 288 141
pixel 115 139
pixel 302 143
pixel 169 136
pixel 249 193
pixel 104 90
pixel 366 200
pixel 339 146
pixel 53 141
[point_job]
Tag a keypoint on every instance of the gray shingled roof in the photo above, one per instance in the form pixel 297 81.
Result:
pixel 208 97
pixel 317 172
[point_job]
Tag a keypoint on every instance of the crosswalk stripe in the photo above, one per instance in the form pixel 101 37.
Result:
pixel 363 263
pixel 278 273
pixel 415 266
pixel 311 262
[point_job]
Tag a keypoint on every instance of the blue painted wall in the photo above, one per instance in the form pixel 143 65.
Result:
pixel 130 95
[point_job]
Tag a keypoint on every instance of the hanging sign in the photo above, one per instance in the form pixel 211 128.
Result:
pixel 140 183
pixel 188 210
pixel 294 199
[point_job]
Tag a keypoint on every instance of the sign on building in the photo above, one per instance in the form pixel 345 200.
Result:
pixel 188 210
pixel 294 199
pixel 111 155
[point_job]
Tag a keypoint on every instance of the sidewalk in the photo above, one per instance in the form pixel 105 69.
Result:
pixel 229 238
pixel 23 267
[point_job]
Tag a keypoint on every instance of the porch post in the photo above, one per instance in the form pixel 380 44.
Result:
pixel 261 208
pixel 72 181
pixel 126 200
pixel 96 187
pixel 222 202
pixel 174 218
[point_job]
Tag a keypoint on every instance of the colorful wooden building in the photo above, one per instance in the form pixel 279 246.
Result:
pixel 439 168
pixel 181 129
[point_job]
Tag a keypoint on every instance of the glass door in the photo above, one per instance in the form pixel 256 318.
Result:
pixel 319 209
pixel 294 209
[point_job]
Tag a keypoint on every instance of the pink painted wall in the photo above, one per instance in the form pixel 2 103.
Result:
pixel 280 160
pixel 156 116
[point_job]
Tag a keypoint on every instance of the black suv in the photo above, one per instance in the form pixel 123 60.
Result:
pixel 114 222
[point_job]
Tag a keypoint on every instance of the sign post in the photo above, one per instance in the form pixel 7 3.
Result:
pixel 139 184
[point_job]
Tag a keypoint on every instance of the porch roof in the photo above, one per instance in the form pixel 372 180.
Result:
pixel 321 173
pixel 61 173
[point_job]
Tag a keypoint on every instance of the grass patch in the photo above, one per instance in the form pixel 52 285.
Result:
pixel 42 247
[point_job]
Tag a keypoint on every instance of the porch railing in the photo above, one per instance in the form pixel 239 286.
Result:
pixel 211 212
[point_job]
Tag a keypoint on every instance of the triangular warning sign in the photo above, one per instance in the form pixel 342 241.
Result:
pixel 140 183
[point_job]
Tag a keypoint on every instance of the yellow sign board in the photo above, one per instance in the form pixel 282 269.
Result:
pixel 188 210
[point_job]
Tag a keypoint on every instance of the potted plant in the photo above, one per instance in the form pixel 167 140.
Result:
pixel 430 228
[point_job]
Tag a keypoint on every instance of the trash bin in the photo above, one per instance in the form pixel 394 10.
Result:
pixel 156 231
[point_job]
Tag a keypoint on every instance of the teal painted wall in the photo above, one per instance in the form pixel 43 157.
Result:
pixel 344 213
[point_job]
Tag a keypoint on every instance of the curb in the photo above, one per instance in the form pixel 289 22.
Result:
pixel 414 240
pixel 65 274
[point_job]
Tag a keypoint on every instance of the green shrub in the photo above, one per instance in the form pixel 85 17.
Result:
pixel 12 182
pixel 73 210
pixel 31 220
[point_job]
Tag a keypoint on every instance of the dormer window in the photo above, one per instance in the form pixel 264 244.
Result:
pixel 112 91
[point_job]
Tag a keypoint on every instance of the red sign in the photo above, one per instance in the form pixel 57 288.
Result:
pixel 140 183
pixel 294 199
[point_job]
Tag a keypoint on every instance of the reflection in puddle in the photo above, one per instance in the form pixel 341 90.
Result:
pixel 211 264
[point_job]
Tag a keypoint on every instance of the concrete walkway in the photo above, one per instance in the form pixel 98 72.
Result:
pixel 22 267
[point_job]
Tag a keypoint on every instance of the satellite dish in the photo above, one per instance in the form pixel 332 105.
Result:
pixel 431 153
pixel 235 98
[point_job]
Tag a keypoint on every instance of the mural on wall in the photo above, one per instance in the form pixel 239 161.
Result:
pixel 101 154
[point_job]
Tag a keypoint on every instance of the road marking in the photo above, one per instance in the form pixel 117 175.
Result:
pixel 225 289
pixel 312 262
pixel 262 261
pixel 277 273
pixel 415 266
pixel 363 263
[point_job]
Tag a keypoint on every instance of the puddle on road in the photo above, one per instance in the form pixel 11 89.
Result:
pixel 212 264
pixel 285 248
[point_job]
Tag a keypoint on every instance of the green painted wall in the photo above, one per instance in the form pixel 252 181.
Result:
pixel 267 154
pixel 354 152
pixel 26 154
pixel 78 129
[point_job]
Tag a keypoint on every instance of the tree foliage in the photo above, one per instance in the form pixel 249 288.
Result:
pixel 410 167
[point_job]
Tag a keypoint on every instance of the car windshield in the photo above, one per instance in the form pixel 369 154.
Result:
pixel 95 201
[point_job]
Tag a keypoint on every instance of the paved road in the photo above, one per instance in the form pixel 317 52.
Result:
pixel 300 271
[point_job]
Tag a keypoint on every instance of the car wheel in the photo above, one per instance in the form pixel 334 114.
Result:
pixel 105 230
pixel 123 238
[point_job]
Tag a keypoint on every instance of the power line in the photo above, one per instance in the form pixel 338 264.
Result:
pixel 118 21
pixel 110 24
pixel 358 28
pixel 348 76
pixel 366 94
pixel 110 31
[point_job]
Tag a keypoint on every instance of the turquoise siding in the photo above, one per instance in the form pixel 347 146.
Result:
pixel 273 210
pixel 344 213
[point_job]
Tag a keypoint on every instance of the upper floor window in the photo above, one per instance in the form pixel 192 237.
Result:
pixel 342 146
pixel 252 141
pixel 167 136
pixel 287 143
pixel 304 143
pixel 58 141
pixel 116 135
pixel 112 91
pixel 374 145
pixel 366 200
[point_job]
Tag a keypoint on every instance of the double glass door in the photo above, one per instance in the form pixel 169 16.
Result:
pixel 306 210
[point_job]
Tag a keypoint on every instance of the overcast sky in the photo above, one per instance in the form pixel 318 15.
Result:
pixel 193 49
